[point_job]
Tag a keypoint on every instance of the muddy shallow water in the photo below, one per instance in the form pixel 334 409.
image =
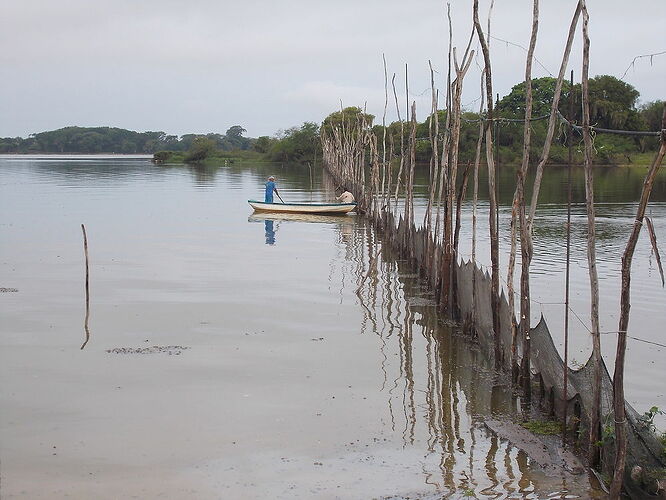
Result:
pixel 230 355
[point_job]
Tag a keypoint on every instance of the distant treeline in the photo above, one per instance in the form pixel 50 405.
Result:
pixel 117 140
pixel 613 105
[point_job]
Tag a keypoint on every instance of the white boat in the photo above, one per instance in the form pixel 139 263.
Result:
pixel 303 208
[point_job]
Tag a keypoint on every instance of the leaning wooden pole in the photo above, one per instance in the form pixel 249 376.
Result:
pixel 593 454
pixel 87 287
pixel 433 130
pixel 410 182
pixel 384 167
pixel 525 236
pixel 553 120
pixel 625 306
pixel 402 145
pixel 475 198
pixel 565 370
pixel 494 240
pixel 449 257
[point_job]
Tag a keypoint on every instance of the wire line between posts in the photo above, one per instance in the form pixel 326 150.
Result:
pixel 580 320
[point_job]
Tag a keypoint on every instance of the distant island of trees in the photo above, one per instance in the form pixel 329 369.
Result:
pixel 91 140
pixel 613 105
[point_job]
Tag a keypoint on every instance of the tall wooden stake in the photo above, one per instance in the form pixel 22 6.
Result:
pixel 625 306
pixel 494 240
pixel 525 239
pixel 85 251
pixel 567 280
pixel 593 454
pixel 553 120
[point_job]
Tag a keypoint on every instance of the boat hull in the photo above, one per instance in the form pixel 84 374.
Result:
pixel 303 208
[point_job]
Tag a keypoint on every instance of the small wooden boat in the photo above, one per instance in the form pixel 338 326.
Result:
pixel 303 208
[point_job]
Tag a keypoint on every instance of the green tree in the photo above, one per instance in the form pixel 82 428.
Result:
pixel 263 144
pixel 202 147
pixel 297 144
pixel 351 118
pixel 612 104
pixel 651 113
pixel 236 131
pixel 543 90
pixel 234 139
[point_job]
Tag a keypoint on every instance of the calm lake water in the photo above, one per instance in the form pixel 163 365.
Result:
pixel 240 356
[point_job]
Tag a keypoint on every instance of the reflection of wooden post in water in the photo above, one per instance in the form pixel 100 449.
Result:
pixel 310 169
pixel 490 467
pixel 85 323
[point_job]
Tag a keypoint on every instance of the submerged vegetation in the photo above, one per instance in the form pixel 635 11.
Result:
pixel 543 427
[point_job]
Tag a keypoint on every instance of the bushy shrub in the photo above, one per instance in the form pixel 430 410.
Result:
pixel 162 156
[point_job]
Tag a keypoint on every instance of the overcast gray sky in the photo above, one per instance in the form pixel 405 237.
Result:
pixel 202 65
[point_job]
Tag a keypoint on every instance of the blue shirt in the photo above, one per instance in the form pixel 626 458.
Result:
pixel 270 186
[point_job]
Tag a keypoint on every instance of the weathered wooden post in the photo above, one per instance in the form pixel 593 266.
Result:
pixel 87 287
pixel 568 268
pixel 492 215
pixel 625 306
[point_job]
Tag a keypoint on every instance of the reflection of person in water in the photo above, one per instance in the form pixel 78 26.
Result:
pixel 270 232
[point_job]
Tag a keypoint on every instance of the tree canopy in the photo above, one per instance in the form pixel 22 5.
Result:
pixel 543 90
pixel 298 144
pixel 349 117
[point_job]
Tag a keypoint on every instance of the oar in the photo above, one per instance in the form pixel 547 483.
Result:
pixel 278 195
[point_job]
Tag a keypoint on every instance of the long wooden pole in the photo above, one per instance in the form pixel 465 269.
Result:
pixel 553 120
pixel 384 166
pixel 625 306
pixel 475 199
pixel 449 258
pixel 525 240
pixel 568 268
pixel 494 240
pixel 85 322
pixel 593 455
pixel 402 144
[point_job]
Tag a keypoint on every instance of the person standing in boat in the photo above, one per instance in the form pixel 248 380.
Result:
pixel 345 197
pixel 270 187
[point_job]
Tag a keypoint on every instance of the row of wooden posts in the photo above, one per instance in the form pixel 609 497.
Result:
pixel 368 165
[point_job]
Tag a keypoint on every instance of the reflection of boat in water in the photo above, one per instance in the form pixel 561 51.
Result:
pixel 335 219
pixel 302 208
pixel 272 221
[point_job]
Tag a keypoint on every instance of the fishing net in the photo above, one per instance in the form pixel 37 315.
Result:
pixel 644 449
pixel 645 461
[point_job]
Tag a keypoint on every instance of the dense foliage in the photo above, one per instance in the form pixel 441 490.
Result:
pixel 612 106
pixel 297 144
